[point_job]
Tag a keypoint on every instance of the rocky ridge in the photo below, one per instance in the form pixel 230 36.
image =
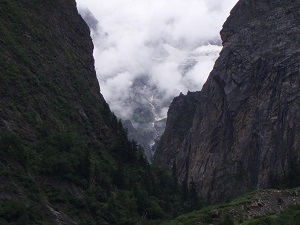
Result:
pixel 245 127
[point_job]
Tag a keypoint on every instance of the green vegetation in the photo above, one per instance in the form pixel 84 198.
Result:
pixel 215 214
pixel 16 212
pixel 11 147
pixel 117 185
pixel 290 216
pixel 63 154
pixel 233 213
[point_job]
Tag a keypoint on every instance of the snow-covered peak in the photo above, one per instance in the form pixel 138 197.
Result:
pixel 174 54
pixel 208 49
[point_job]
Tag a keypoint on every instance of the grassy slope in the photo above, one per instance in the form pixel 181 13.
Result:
pixel 266 207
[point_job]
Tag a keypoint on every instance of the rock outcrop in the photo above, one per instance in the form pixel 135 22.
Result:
pixel 245 131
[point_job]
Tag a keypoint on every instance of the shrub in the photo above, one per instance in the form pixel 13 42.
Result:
pixel 11 147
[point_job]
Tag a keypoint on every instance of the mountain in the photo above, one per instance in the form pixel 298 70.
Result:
pixel 150 102
pixel 144 98
pixel 65 158
pixel 241 131
pixel 47 72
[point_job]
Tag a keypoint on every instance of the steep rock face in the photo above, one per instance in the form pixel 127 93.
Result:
pixel 245 132
pixel 180 118
pixel 52 114
pixel 47 71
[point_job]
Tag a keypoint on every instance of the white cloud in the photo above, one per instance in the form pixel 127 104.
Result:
pixel 132 39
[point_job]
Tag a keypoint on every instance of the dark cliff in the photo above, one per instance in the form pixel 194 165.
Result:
pixel 52 115
pixel 47 71
pixel 245 131
pixel 180 119
pixel 64 156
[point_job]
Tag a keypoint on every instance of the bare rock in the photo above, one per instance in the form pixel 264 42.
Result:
pixel 244 132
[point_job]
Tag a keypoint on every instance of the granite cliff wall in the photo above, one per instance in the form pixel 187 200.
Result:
pixel 245 131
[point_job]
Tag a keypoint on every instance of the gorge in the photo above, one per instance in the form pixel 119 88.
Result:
pixel 65 158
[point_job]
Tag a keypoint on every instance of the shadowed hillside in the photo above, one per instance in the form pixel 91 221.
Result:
pixel 64 157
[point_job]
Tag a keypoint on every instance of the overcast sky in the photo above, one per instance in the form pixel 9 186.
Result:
pixel 131 40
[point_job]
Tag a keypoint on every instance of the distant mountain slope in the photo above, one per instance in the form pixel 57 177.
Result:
pixel 148 65
pixel 245 127
pixel 150 102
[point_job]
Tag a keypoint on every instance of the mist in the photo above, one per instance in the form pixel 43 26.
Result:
pixel 154 38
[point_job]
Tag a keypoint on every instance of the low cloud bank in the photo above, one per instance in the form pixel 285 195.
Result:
pixel 159 39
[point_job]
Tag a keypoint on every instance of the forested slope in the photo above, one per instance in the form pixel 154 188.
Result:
pixel 64 157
